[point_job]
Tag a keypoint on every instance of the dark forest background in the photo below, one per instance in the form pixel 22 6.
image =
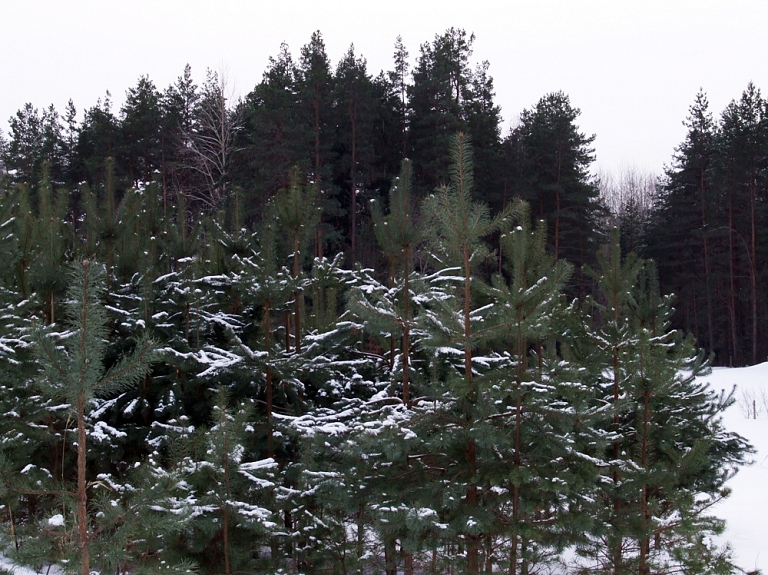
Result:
pixel 346 129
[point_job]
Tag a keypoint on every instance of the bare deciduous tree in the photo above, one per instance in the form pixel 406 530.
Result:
pixel 630 186
pixel 208 143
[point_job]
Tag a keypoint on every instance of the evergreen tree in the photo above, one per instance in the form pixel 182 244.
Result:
pixel 315 88
pixel 354 102
pixel 440 87
pixel 140 127
pixel 398 237
pixel 398 78
pixel 232 490
pixel 743 134
pixel 76 373
pixel 551 159
pixel 35 139
pixel 536 395
pixel 686 219
pixel 459 223
pixel 298 214
pixel 273 135
pixel 98 139
pixel 663 477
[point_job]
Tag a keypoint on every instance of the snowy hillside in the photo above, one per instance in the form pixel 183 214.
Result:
pixel 746 510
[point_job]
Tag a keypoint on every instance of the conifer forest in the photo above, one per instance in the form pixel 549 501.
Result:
pixel 346 325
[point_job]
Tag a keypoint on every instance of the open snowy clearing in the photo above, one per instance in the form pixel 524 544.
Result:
pixel 746 510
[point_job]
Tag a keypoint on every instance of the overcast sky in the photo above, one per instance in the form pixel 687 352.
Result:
pixel 633 68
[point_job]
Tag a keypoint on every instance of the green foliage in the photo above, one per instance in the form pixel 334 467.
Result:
pixel 436 405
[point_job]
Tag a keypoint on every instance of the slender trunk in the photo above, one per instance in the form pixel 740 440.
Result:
pixel 186 321
pixel 82 497
pixel 360 537
pixel 521 366
pixel 225 507
pixel 467 331
pixel 734 337
pixel 557 201
pixel 296 296
pixel 23 277
pixel 13 527
pixel 353 191
pixel 753 269
pixel 523 558
pixel 287 332
pixel 406 329
pixel 644 540
pixel 390 565
pixel 473 543
pixel 617 550
pixel 557 223
pixel 707 265
pixel 407 563
pixel 317 139
pixel 225 538
pixel 268 345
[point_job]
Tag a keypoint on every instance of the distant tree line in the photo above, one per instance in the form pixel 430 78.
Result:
pixel 343 129
pixel 347 131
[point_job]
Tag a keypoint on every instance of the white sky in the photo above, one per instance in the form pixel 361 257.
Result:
pixel 632 67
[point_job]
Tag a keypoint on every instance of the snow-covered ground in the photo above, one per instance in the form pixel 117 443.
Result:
pixel 746 510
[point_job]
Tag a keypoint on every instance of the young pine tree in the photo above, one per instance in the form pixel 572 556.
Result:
pixel 457 224
pixel 74 371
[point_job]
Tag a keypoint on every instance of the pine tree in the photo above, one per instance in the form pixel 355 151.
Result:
pixel 140 126
pixel 551 163
pixel 99 139
pixel 399 80
pixel 743 131
pixel 76 373
pixel 667 462
pixel 35 139
pixel 528 307
pixel 459 223
pixel 273 135
pixel 298 215
pixel 354 103
pixel 51 238
pixel 686 220
pixel 108 221
pixel 232 490
pixel 398 237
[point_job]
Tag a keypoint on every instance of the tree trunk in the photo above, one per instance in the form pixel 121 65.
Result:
pixel 473 542
pixel 353 191
pixel 268 345
pixel 406 330
pixel 753 268
pixel 732 274
pixel 707 265
pixel 296 295
pixel 82 497
pixel 390 565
